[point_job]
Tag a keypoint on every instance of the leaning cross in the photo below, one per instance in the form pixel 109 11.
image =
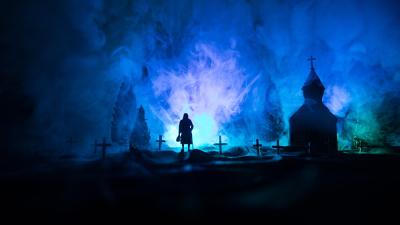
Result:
pixel 278 147
pixel 103 146
pixel 160 141
pixel 220 144
pixel 70 141
pixel 257 146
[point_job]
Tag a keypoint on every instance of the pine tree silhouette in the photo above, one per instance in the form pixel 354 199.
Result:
pixel 140 136
pixel 123 115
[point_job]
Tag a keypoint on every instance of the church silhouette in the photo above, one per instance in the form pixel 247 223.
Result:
pixel 313 126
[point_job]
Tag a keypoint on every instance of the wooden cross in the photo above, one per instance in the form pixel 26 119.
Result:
pixel 103 146
pixel 257 146
pixel 70 141
pixel 311 59
pixel 220 144
pixel 160 141
pixel 278 147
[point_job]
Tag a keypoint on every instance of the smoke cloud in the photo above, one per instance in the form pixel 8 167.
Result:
pixel 227 63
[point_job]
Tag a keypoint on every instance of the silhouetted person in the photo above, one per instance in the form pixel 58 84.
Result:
pixel 185 131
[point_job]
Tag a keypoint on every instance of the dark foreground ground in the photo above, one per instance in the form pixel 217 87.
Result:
pixel 166 187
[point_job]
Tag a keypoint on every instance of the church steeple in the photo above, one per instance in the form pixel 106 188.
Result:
pixel 313 87
pixel 313 126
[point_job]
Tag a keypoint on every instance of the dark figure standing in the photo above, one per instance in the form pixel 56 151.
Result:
pixel 185 131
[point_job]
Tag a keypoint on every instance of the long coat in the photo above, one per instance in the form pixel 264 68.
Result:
pixel 185 128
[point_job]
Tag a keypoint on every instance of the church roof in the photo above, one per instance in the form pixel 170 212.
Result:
pixel 313 79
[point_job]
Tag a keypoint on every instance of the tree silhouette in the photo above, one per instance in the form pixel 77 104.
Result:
pixel 274 125
pixel 140 136
pixel 124 113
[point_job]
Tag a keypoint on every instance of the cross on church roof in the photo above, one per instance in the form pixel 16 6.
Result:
pixel 311 59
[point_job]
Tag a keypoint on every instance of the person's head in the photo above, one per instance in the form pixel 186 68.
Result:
pixel 185 116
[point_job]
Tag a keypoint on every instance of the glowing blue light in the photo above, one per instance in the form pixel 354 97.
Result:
pixel 210 89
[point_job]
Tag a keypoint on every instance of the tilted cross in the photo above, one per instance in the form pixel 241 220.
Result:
pixel 103 146
pixel 311 59
pixel 257 146
pixel 160 141
pixel 278 147
pixel 70 141
pixel 220 144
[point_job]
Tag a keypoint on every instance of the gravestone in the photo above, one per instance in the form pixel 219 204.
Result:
pixel 257 146
pixel 160 141
pixel 278 147
pixel 104 145
pixel 220 145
